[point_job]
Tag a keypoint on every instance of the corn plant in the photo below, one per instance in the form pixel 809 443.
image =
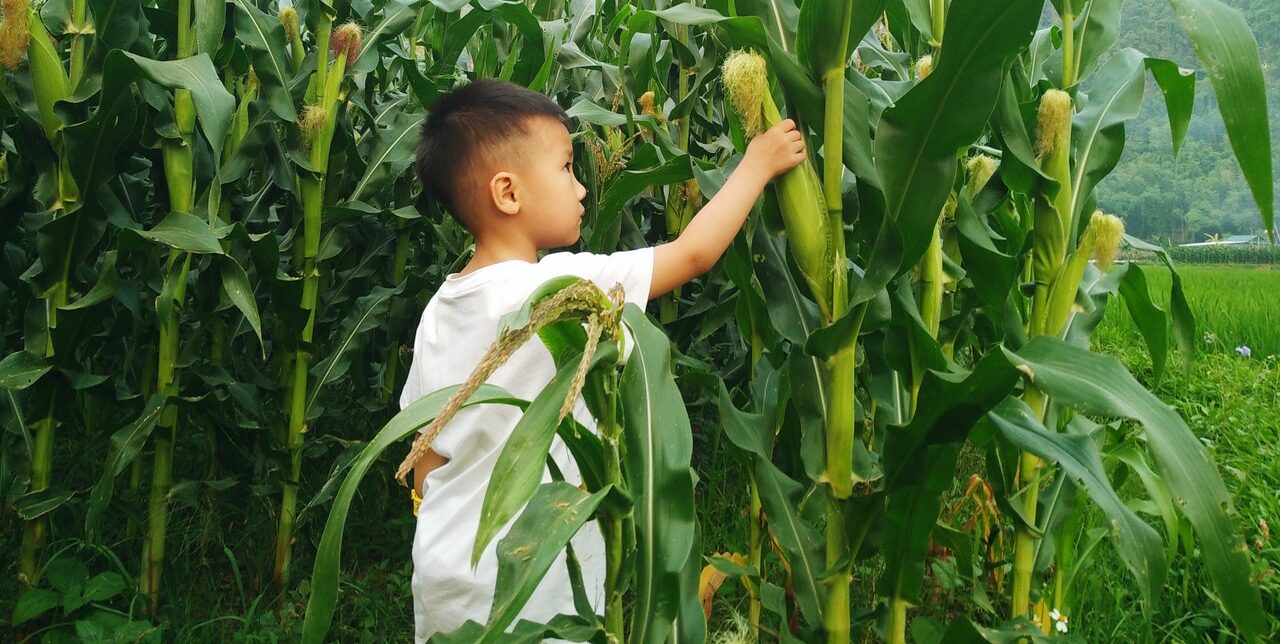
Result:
pixel 638 462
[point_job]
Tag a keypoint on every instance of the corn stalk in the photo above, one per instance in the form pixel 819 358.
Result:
pixel 50 84
pixel 317 122
pixel 179 172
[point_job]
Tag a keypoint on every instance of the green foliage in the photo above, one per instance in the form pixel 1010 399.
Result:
pixel 213 249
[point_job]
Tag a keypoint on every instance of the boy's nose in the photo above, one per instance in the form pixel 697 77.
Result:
pixel 581 189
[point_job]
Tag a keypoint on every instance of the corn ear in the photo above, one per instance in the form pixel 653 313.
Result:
pixel 48 76
pixel 1053 214
pixel 800 197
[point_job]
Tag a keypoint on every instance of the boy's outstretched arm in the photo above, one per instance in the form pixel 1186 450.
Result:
pixel 710 232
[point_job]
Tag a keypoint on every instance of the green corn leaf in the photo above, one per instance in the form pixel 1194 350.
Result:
pixel 210 23
pixel 1184 321
pixel 214 105
pixel 95 142
pixel 555 513
pixel 919 463
pixel 1229 53
pixel 561 627
pixel 992 272
pixel 126 443
pixel 749 432
pixel 519 468
pixel 1100 385
pixel 1097 131
pixel 1178 86
pixel 183 231
pixel 918 137
pixel 116 24
pixel 793 315
pixel 64 244
pixel 1138 544
pixel 659 446
pixel 397 15
pixel 368 314
pixel 104 289
pixel 264 36
pixel 644 169
pixel 1147 316
pixel 36 504
pixel 393 153
pixel 1157 490
pixel 801 543
pixel 324 576
pixel 21 369
pixel 818 33
pixel 235 283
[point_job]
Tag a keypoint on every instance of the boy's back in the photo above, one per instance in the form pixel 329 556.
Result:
pixel 457 327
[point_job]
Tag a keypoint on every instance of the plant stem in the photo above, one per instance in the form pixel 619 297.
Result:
pixel 78 15
pixel 327 81
pixel 836 617
pixel 1069 70
pixel 1028 481
pixel 611 523
pixel 938 13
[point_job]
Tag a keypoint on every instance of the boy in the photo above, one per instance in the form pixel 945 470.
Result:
pixel 499 158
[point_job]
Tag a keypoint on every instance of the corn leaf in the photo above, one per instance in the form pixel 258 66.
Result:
pixel 397 16
pixel 519 468
pixel 1138 544
pixel 1229 53
pixel 264 37
pixel 324 576
pixel 659 446
pixel 21 369
pixel 126 443
pixel 801 543
pixel 183 231
pixel 368 313
pixel 919 463
pixel 1100 385
pixel 235 283
pixel 1097 131
pixel 1147 316
pixel 214 104
pixel 916 143
pixel 555 513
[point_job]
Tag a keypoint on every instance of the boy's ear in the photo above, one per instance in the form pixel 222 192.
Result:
pixel 502 190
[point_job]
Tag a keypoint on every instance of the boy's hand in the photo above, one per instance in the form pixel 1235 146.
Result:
pixel 710 232
pixel 776 150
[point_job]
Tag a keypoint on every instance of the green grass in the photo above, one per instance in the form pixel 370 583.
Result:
pixel 1234 306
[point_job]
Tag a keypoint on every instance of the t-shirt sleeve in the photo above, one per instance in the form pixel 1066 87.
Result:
pixel 633 269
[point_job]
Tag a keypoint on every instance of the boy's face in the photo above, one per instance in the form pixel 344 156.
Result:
pixel 551 204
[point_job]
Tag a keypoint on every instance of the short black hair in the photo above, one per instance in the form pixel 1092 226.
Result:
pixel 469 123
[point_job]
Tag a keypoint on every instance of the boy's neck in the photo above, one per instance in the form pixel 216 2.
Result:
pixel 490 252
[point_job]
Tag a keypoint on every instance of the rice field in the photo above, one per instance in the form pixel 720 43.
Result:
pixel 1237 309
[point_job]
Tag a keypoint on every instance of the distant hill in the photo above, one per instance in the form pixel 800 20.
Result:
pixel 1201 192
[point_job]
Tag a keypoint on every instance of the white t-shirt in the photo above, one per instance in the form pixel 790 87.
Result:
pixel 457 327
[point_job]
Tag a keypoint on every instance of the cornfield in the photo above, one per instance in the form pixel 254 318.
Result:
pixel 213 252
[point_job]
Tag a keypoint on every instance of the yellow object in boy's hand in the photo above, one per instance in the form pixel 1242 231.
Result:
pixel 417 501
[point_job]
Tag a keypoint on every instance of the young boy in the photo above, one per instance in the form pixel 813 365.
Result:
pixel 499 158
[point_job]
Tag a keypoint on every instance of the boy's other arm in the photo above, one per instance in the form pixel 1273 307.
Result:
pixel 710 232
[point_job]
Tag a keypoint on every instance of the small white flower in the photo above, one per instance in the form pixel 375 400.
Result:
pixel 1059 621
pixel 1209 337
pixel 1244 351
